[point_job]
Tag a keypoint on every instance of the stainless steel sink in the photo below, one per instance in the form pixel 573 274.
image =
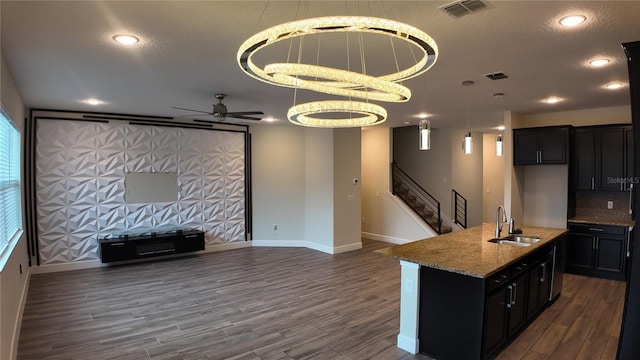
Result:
pixel 516 240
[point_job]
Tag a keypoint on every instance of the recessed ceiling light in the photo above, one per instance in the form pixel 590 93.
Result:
pixel 269 119
pixel 599 62
pixel 126 39
pixel 423 115
pixel 501 127
pixel 614 85
pixel 552 100
pixel 572 20
pixel 93 101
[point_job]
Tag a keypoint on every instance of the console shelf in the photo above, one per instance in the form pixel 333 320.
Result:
pixel 147 243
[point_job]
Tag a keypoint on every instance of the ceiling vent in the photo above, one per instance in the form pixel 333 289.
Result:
pixel 461 8
pixel 497 76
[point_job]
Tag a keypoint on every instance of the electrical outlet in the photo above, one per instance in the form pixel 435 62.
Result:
pixel 610 204
pixel 275 226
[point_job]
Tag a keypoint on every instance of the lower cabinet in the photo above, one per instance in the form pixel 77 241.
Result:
pixel 597 250
pixel 463 317
pixel 520 299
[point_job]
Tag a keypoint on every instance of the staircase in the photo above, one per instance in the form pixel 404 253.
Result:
pixel 418 199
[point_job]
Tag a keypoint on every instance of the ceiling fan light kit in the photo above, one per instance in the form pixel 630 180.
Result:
pixel 339 82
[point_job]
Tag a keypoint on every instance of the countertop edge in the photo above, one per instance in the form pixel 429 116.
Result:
pixel 385 252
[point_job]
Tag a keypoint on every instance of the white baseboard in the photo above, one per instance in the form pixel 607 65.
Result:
pixel 78 265
pixel 13 353
pixel 309 245
pixel 408 344
pixel 279 243
pixel 385 238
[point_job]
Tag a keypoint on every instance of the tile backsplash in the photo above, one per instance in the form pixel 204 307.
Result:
pixel 594 204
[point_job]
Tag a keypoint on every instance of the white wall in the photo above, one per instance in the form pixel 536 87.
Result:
pixel 319 175
pixel 384 218
pixel 466 173
pixel 347 209
pixel 492 178
pixel 301 181
pixel 278 182
pixel 13 284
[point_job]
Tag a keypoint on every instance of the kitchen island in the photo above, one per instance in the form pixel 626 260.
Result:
pixel 464 297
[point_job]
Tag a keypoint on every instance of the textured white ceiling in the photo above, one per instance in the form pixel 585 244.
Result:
pixel 61 52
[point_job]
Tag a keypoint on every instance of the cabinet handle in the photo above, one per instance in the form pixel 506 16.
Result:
pixel 515 294
pixel 596 229
pixel 543 267
pixel 630 198
pixel 593 243
pixel 628 243
pixel 510 296
pixel 593 183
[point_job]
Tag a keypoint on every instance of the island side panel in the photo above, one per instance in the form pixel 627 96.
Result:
pixel 451 314
pixel 409 300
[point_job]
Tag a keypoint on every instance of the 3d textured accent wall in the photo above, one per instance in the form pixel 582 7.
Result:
pixel 80 189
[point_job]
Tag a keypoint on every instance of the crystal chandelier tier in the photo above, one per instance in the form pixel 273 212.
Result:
pixel 333 81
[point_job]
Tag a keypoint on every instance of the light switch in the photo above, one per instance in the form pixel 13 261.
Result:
pixel 610 204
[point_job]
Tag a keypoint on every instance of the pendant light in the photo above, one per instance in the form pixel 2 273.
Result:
pixel 424 134
pixel 499 145
pixel 467 144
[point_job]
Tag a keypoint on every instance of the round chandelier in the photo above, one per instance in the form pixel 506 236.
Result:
pixel 339 82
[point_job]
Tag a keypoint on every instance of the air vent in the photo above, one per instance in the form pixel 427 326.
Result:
pixel 497 76
pixel 461 8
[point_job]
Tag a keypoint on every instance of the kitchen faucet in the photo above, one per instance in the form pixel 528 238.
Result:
pixel 500 221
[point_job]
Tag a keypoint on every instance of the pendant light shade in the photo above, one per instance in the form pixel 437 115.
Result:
pixel 499 148
pixel 424 135
pixel 467 144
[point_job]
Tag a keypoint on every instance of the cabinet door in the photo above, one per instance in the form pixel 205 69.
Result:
pixel 579 252
pixel 553 146
pixel 518 310
pixel 610 159
pixel 539 286
pixel 610 254
pixel 525 147
pixel 495 320
pixel 629 169
pixel 585 159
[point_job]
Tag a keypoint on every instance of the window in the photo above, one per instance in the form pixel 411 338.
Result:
pixel 10 201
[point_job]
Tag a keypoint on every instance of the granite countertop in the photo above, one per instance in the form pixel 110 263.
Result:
pixel 601 221
pixel 468 252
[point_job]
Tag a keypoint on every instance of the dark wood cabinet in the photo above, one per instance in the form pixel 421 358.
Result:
pixel 601 158
pixel 610 159
pixel 597 250
pixel 629 167
pixel 518 289
pixel 543 145
pixel 540 278
pixel 496 315
pixel 585 159
pixel 150 243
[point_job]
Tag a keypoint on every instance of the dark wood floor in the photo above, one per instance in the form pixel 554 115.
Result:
pixel 273 303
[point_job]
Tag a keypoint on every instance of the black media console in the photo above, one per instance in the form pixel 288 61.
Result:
pixel 146 243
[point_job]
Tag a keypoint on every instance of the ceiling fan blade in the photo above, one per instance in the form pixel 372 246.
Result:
pixel 199 111
pixel 192 115
pixel 244 117
pixel 240 113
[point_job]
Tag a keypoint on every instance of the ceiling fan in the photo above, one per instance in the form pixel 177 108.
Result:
pixel 220 111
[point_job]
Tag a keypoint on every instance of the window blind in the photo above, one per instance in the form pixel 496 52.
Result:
pixel 10 202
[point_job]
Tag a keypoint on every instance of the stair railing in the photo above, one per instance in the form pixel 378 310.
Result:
pixel 459 209
pixel 416 196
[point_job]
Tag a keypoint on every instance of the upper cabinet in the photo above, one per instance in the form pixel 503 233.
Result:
pixel 542 145
pixel 601 158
